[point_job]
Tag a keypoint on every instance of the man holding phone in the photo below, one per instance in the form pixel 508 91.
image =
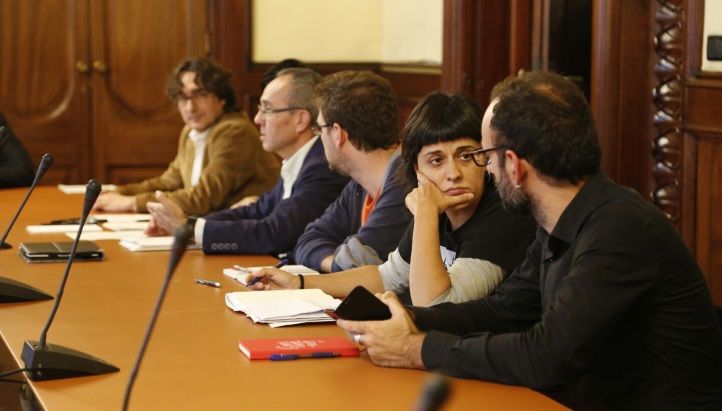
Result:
pixel 609 308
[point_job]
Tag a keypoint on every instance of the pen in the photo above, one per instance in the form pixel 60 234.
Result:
pixel 208 282
pixel 284 357
pixel 257 279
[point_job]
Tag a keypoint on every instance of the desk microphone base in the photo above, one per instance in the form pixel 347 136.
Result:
pixel 5 246
pixel 54 362
pixel 12 291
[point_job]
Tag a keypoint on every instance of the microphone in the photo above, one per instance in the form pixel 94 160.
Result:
pixel 181 238
pixel 48 361
pixel 436 391
pixel 45 163
pixel 10 290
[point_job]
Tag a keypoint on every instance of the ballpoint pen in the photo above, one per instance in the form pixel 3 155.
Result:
pixel 284 357
pixel 257 279
pixel 208 282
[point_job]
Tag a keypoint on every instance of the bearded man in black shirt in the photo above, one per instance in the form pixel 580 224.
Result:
pixel 608 311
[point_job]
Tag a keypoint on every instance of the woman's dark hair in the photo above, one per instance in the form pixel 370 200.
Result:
pixel 209 76
pixel 437 118
pixel 544 118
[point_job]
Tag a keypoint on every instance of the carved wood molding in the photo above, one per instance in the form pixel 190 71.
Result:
pixel 667 96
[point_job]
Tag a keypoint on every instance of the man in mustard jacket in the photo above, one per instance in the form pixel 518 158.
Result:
pixel 220 159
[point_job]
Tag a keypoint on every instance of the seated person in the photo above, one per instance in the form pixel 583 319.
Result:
pixel 219 160
pixel 266 78
pixel 609 310
pixel 446 253
pixel 16 169
pixel 357 122
pixel 286 117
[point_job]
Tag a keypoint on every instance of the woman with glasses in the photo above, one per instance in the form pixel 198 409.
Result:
pixel 461 242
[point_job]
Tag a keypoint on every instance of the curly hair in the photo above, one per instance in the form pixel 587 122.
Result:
pixel 209 76
pixel 363 103
pixel 544 118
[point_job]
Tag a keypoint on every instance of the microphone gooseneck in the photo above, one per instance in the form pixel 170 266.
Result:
pixel 92 190
pixel 181 238
pixel 45 162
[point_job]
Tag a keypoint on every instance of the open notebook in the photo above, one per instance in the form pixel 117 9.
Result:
pixel 278 308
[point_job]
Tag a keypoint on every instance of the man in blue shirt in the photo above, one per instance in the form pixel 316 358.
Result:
pixel 357 122
pixel 271 225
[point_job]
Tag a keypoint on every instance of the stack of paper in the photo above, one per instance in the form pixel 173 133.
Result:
pixel 126 225
pixel 108 235
pixel 151 243
pixel 80 188
pixel 61 228
pixel 283 307
pixel 240 273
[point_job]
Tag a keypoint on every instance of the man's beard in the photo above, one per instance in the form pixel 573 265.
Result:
pixel 513 199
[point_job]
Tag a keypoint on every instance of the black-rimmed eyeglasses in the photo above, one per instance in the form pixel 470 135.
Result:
pixel 317 128
pixel 481 156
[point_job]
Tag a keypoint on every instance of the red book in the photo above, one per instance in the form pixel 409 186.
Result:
pixel 293 348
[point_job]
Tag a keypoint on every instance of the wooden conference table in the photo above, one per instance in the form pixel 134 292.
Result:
pixel 193 361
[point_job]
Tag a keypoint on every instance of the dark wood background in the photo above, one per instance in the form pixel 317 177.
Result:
pixel 84 80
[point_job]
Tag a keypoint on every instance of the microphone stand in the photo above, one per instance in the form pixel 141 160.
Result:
pixel 181 238
pixel 48 361
pixel 10 290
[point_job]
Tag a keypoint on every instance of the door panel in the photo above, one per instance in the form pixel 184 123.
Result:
pixel 42 94
pixel 138 43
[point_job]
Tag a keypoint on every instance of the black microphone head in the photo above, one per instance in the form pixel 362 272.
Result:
pixel 436 391
pixel 45 162
pixel 92 191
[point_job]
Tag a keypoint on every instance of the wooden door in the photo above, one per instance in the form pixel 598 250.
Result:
pixel 134 47
pixel 43 85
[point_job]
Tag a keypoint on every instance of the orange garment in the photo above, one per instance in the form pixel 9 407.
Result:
pixel 369 205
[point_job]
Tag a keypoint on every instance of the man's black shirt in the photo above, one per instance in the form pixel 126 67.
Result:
pixel 610 308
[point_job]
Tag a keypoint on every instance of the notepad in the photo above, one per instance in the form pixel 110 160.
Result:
pixel 80 188
pixel 279 308
pixel 109 235
pixel 291 348
pixel 125 225
pixel 122 218
pixel 240 273
pixel 61 228
pixel 151 244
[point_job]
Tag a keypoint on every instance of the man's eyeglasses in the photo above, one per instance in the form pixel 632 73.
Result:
pixel 317 128
pixel 270 111
pixel 481 156
pixel 195 96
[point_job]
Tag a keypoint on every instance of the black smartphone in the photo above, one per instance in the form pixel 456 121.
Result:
pixel 361 305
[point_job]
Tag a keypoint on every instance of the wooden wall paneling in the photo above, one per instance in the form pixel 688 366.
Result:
pixel 458 46
pixel 43 95
pixel 135 46
pixel 708 224
pixel 520 35
pixel 476 52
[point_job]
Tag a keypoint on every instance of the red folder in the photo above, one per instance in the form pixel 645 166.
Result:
pixel 293 348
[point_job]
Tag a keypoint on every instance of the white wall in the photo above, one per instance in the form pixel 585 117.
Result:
pixel 386 31
pixel 712 25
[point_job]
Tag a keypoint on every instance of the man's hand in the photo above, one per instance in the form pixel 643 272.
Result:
pixel 112 201
pixel 245 201
pixel 427 194
pixel 274 279
pixel 166 214
pixel 395 342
